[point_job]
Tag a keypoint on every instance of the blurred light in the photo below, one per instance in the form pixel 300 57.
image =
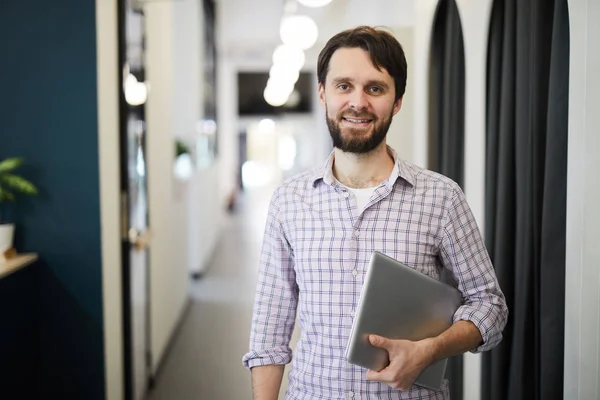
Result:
pixel 136 93
pixel 209 126
pixel 183 167
pixel 255 174
pixel 290 56
pixel 276 94
pixel 299 30
pixel 287 152
pixel 293 99
pixel 314 3
pixel 284 73
pixel 266 125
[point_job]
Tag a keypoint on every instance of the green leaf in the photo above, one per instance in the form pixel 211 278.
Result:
pixel 10 164
pixel 5 195
pixel 18 183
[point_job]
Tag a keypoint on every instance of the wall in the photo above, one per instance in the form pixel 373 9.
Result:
pixel 401 133
pixel 185 216
pixel 49 104
pixel 108 144
pixel 582 305
pixel 204 210
pixel 168 264
pixel 19 338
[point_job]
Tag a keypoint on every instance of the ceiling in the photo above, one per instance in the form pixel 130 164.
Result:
pixel 250 28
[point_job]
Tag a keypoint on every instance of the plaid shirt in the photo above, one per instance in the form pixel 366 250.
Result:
pixel 316 249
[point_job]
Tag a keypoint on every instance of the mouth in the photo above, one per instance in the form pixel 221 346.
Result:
pixel 357 121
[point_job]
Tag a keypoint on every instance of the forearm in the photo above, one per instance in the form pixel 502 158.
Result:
pixel 266 381
pixel 461 337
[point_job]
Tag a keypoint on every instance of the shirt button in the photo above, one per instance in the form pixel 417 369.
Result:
pixel 350 395
pixel 346 194
pixel 354 272
pixel 352 313
pixel 356 233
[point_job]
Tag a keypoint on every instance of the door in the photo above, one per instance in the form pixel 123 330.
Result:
pixel 134 202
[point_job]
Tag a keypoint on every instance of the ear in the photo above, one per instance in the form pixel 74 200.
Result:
pixel 397 105
pixel 322 94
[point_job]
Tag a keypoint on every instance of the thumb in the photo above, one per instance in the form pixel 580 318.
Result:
pixel 379 341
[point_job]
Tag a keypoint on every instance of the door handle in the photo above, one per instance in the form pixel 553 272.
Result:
pixel 140 240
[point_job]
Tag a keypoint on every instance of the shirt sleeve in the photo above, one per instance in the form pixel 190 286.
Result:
pixel 276 297
pixel 463 252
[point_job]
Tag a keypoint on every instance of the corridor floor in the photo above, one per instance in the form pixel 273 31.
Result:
pixel 204 362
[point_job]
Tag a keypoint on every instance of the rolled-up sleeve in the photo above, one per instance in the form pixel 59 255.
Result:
pixel 463 252
pixel 276 296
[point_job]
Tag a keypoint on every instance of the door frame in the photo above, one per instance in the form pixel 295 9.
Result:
pixel 125 199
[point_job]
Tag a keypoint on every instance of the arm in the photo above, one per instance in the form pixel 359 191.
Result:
pixel 478 323
pixel 461 337
pixel 408 359
pixel 266 382
pixel 274 309
pixel 463 253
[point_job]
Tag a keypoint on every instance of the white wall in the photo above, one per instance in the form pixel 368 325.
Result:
pixel 582 303
pixel 401 133
pixel 168 202
pixel 108 144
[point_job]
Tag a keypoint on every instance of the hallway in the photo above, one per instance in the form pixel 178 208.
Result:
pixel 205 359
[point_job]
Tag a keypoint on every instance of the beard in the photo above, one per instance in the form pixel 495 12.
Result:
pixel 358 141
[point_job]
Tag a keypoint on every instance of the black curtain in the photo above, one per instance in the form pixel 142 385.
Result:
pixel 447 93
pixel 447 123
pixel 526 172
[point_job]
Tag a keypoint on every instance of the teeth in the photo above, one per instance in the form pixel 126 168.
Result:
pixel 357 120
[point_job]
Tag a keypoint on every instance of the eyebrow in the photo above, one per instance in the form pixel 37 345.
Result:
pixel 369 83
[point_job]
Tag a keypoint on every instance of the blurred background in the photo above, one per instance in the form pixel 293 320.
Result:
pixel 156 130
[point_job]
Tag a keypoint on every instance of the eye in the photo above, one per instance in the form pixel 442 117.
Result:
pixel 376 89
pixel 343 87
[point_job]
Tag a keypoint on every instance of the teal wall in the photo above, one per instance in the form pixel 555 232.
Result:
pixel 48 115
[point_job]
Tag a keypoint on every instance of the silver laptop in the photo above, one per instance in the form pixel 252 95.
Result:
pixel 398 302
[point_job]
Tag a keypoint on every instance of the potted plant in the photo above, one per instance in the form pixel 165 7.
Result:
pixel 10 184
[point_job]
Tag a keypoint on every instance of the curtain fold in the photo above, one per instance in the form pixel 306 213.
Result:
pixel 526 155
pixel 447 123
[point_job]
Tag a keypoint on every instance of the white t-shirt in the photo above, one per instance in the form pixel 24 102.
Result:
pixel 362 196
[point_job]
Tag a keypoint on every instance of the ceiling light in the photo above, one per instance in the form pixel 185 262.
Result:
pixel 299 30
pixel 291 56
pixel 314 3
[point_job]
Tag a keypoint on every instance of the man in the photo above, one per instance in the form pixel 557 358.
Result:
pixel 323 226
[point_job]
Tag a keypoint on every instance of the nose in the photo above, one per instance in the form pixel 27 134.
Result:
pixel 358 100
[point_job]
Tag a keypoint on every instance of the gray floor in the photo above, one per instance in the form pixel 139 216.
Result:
pixel 205 359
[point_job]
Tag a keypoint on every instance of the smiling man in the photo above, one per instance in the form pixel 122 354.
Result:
pixel 323 226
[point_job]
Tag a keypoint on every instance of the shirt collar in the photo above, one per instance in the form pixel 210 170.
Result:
pixel 400 170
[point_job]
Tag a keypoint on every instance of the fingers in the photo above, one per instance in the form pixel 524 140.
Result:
pixel 381 376
pixel 387 377
pixel 379 341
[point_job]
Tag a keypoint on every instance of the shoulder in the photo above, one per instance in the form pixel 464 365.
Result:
pixel 296 187
pixel 426 180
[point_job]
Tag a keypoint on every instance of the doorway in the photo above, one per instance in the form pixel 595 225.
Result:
pixel 135 233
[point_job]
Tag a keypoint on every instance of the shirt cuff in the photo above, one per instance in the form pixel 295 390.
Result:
pixel 482 318
pixel 276 356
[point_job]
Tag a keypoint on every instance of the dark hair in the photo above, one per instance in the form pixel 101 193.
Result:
pixel 384 49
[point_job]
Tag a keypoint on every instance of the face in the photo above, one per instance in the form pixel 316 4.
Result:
pixel 359 101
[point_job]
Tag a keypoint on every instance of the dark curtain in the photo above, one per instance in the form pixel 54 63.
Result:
pixel 447 123
pixel 526 172
pixel 447 93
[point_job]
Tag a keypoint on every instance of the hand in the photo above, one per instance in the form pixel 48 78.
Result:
pixel 407 360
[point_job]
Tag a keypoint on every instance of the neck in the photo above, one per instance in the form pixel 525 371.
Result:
pixel 363 170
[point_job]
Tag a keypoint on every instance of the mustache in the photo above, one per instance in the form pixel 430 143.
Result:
pixel 357 115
